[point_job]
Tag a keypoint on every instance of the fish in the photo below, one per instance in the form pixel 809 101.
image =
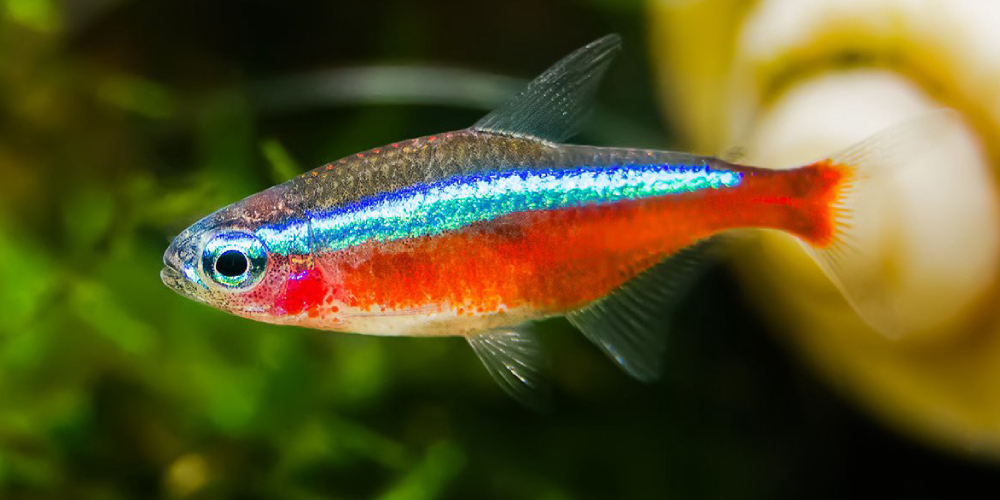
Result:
pixel 481 232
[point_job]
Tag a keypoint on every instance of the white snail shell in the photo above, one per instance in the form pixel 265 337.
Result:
pixel 794 81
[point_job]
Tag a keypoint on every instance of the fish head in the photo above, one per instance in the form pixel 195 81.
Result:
pixel 224 260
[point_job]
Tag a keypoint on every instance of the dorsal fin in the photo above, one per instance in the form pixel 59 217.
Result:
pixel 514 358
pixel 552 105
pixel 628 324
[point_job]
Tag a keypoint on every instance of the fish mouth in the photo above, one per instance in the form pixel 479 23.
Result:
pixel 176 281
pixel 174 278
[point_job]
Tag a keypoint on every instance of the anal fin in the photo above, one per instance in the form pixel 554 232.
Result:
pixel 515 359
pixel 630 324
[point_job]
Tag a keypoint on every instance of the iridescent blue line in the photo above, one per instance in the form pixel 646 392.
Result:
pixel 450 204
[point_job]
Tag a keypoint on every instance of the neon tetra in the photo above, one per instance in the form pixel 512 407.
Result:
pixel 480 231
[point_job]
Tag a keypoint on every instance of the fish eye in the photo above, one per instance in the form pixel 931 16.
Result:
pixel 232 263
pixel 234 260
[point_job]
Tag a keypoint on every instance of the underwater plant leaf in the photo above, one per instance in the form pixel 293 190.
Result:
pixel 283 165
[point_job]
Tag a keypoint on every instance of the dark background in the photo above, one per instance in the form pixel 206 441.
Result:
pixel 122 122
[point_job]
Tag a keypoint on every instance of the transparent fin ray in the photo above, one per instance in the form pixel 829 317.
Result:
pixel 862 211
pixel 552 105
pixel 628 324
pixel 515 359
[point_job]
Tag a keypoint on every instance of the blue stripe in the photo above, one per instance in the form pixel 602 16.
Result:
pixel 450 204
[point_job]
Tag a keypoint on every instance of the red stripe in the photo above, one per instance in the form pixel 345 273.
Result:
pixel 559 260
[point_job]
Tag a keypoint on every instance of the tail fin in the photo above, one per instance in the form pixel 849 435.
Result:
pixel 862 210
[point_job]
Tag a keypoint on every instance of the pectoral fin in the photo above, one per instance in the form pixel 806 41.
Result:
pixel 515 360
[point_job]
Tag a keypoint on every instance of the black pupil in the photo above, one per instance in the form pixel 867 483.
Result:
pixel 231 264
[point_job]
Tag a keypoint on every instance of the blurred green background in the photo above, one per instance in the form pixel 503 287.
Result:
pixel 121 122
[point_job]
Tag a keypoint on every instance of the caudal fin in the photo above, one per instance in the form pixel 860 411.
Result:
pixel 862 212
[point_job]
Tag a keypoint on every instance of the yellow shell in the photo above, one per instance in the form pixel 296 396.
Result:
pixel 794 81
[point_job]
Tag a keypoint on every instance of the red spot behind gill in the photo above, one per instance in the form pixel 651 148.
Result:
pixel 304 291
